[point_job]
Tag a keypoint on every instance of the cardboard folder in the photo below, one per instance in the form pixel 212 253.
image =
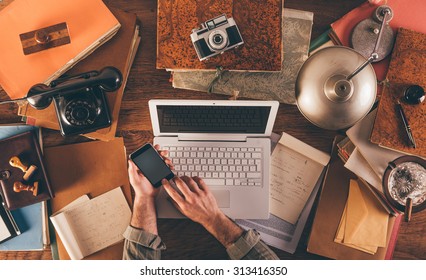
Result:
pixel 91 168
pixel 329 212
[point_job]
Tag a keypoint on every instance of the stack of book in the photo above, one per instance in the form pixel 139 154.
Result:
pixel 265 67
pixel 352 220
pixel 111 39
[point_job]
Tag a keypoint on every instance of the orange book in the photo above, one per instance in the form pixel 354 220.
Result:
pixel 90 24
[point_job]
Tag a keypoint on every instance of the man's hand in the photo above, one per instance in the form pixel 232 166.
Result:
pixel 197 203
pixel 142 187
pixel 144 215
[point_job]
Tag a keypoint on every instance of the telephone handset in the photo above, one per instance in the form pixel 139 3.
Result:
pixel 80 102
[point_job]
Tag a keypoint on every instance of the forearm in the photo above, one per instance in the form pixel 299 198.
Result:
pixel 224 230
pixel 144 215
pixel 238 243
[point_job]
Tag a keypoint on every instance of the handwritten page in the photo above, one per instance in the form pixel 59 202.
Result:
pixel 295 169
pixel 94 224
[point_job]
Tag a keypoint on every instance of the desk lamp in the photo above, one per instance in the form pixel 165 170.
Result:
pixel 329 92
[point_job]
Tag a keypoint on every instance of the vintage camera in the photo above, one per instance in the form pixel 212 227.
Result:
pixel 216 36
pixel 80 102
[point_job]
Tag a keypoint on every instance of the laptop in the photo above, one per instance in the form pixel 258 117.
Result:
pixel 224 142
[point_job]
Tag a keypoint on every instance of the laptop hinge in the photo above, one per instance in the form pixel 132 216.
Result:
pixel 219 137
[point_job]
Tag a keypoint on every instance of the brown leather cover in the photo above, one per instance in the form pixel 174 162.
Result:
pixel 116 52
pixel 407 67
pixel 91 168
pixel 331 204
pixel 258 21
pixel 26 147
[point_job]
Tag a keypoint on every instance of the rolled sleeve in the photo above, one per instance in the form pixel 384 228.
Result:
pixel 141 245
pixel 250 247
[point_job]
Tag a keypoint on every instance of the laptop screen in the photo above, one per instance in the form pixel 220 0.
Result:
pixel 213 119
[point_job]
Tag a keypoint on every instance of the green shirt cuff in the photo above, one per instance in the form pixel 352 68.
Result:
pixel 243 245
pixel 144 238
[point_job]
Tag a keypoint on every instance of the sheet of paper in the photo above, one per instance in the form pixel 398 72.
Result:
pixel 64 230
pixel 279 233
pixel 4 231
pixel 360 167
pixel 100 222
pixel 292 179
pixel 376 156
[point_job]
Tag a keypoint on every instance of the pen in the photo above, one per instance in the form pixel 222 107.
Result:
pixel 406 125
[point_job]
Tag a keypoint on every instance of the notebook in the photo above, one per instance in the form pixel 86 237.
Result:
pixel 226 143
pixel 407 68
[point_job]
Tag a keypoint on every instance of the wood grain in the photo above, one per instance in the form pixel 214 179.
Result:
pixel 146 82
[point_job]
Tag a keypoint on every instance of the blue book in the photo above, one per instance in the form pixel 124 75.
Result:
pixel 29 221
pixel 29 218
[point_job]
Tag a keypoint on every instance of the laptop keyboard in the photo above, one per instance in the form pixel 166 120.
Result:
pixel 219 166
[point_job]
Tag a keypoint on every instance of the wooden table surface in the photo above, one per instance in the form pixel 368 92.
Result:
pixel 185 239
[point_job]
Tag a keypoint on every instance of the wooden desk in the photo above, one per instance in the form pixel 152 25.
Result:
pixel 146 82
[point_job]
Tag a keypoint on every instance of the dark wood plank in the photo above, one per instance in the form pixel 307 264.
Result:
pixel 146 82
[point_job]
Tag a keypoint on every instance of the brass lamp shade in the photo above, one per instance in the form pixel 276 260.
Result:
pixel 324 95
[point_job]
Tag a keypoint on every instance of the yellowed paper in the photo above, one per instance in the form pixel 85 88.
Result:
pixel 292 178
pixel 363 225
pixel 373 230
pixel 341 234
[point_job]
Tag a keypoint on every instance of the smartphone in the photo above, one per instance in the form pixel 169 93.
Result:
pixel 152 165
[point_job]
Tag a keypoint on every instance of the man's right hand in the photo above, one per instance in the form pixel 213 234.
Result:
pixel 196 201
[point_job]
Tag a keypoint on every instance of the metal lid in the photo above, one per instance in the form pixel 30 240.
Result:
pixel 324 95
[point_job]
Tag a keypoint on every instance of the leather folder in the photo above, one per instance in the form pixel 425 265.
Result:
pixel 91 168
pixel 330 208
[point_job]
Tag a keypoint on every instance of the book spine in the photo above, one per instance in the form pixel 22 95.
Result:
pixel 393 238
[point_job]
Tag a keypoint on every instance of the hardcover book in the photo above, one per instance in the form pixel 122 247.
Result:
pixel 407 67
pixel 296 35
pixel 20 154
pixel 259 23
pixel 30 222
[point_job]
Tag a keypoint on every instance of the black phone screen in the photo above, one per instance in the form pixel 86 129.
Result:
pixel 151 164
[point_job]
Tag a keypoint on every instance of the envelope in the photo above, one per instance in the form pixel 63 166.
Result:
pixel 364 221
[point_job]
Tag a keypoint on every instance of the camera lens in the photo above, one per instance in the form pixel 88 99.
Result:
pixel 217 38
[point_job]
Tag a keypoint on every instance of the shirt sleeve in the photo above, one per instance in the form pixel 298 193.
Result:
pixel 250 247
pixel 141 245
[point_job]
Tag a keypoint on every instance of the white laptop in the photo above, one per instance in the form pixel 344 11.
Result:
pixel 224 142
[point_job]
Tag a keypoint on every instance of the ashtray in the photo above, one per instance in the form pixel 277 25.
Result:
pixel 404 180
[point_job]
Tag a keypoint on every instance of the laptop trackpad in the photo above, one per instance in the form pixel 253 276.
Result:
pixel 223 198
